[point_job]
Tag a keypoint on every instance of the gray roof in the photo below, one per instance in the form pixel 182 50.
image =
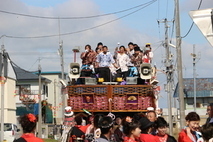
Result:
pixel 23 75
pixel 204 87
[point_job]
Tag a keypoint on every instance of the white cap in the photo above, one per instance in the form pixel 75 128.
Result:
pixel 68 111
pixel 150 109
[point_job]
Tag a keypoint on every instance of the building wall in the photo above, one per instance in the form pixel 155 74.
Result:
pixel 54 96
pixel 9 101
pixel 202 103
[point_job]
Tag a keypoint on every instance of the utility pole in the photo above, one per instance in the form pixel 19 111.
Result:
pixel 169 75
pixel 179 65
pixel 39 102
pixel 54 115
pixel 61 53
pixel 62 76
pixel 2 91
pixel 194 75
pixel 194 57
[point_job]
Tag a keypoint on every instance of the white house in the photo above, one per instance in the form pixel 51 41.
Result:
pixel 27 92
pixel 9 83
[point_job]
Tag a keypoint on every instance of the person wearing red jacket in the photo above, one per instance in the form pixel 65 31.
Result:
pixel 190 134
pixel 131 130
pixel 28 124
pixel 146 127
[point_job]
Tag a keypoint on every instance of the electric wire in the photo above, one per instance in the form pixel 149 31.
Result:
pixel 167 3
pixel 80 17
pixel 192 22
pixel 80 31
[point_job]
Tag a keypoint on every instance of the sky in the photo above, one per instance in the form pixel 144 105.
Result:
pixel 34 39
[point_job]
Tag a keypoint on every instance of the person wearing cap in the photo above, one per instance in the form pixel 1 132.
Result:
pixel 148 54
pixel 68 116
pixel 106 126
pixel 68 123
pixel 161 127
pixel 146 127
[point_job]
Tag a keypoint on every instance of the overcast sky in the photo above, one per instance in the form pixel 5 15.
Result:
pixel 138 25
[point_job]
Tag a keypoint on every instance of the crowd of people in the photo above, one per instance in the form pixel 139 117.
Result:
pixel 125 62
pixel 141 127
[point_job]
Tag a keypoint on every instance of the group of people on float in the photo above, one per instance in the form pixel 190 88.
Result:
pixel 125 62
pixel 142 127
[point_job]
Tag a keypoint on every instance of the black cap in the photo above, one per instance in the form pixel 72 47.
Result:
pixel 145 123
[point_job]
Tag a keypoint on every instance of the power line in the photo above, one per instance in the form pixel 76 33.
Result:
pixel 80 31
pixel 67 18
pixel 192 23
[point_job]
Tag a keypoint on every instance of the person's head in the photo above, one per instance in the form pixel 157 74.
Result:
pixel 207 131
pixel 90 119
pixel 122 49
pixel 96 119
pixel 105 49
pixel 78 120
pixel 210 110
pixel 97 50
pixel 118 120
pixel 137 50
pixel 148 45
pixel 161 126
pixel 28 123
pixel 131 128
pixel 192 121
pixel 137 116
pixel 87 47
pixel 100 45
pixel 130 45
pixel 106 125
pixel 151 115
pixel 146 125
pixel 135 45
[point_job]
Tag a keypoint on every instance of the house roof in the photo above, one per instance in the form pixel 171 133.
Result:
pixel 23 75
pixel 204 87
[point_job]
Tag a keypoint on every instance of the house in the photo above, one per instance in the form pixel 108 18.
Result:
pixel 27 93
pixel 8 83
pixel 204 94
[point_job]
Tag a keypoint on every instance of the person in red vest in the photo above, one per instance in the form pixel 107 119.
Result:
pixel 146 127
pixel 190 133
pixel 28 123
